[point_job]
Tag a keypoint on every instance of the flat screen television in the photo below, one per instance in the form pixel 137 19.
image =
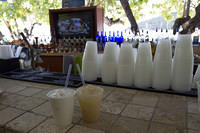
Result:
pixel 80 21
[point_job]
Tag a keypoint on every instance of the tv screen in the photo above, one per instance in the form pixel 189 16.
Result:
pixel 75 24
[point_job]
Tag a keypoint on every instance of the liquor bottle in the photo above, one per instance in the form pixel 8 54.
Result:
pixel 121 39
pixel 113 37
pixel 196 37
pixel 109 37
pixel 105 38
pixel 117 40
pixel 142 37
pixel 147 37
pixel 156 37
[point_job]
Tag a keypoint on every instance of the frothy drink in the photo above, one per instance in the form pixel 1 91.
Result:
pixel 62 103
pixel 90 100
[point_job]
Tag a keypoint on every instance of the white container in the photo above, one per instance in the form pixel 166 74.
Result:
pixel 100 56
pixel 162 66
pixel 90 61
pixel 109 63
pixel 62 103
pixel 125 69
pixel 143 66
pixel 6 52
pixel 183 64
pixel 198 90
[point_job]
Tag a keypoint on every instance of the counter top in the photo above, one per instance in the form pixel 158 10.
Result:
pixel 24 108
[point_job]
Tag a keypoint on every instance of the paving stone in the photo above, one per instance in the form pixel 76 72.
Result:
pixel 176 118
pixel 49 126
pixel 10 99
pixel 42 94
pixel 193 122
pixel 15 89
pixel 76 115
pixel 81 129
pixel 112 107
pixel 139 112
pixel 2 106
pixel 193 131
pixel 173 103
pixel 164 128
pixel 145 99
pixel 29 91
pixel 120 96
pixel 25 122
pixel 128 125
pixel 44 109
pixel 8 114
pixel 29 103
pixel 193 108
pixel 103 123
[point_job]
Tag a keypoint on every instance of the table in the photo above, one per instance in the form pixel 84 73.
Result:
pixel 25 108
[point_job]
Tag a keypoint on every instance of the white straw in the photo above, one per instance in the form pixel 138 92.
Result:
pixel 68 75
pixel 80 73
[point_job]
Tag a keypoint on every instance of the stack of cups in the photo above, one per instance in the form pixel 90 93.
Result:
pixel 6 52
pixel 183 64
pixel 125 69
pixel 143 66
pixel 100 56
pixel 109 63
pixel 162 66
pixel 90 61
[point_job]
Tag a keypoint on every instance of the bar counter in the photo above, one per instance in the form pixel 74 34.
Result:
pixel 24 108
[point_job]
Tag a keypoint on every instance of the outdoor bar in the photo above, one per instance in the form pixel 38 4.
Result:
pixel 99 66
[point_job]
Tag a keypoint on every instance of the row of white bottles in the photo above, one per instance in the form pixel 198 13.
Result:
pixel 127 66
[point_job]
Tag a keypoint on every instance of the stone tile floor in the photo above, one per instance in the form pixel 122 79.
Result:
pixel 25 108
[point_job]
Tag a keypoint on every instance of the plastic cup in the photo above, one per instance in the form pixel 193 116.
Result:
pixel 62 103
pixel 198 90
pixel 90 98
pixel 143 66
pixel 90 61
pixel 182 70
pixel 109 63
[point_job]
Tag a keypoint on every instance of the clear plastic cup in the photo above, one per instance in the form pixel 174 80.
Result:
pixel 90 61
pixel 143 66
pixel 109 63
pixel 198 90
pixel 183 64
pixel 162 65
pixel 90 98
pixel 62 103
pixel 125 68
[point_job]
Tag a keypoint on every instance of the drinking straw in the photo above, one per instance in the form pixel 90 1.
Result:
pixel 68 75
pixel 80 73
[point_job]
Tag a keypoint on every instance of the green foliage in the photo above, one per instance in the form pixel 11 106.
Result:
pixel 34 11
pixel 168 7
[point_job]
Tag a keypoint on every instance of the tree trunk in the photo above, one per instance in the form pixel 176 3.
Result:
pixel 188 8
pixel 129 14
pixel 16 25
pixel 9 28
pixel 92 3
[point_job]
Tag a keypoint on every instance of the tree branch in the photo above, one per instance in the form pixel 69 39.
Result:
pixel 92 3
pixel 129 14
pixel 187 23
pixel 100 3
pixel 110 21
pixel 9 28
pixel 88 4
